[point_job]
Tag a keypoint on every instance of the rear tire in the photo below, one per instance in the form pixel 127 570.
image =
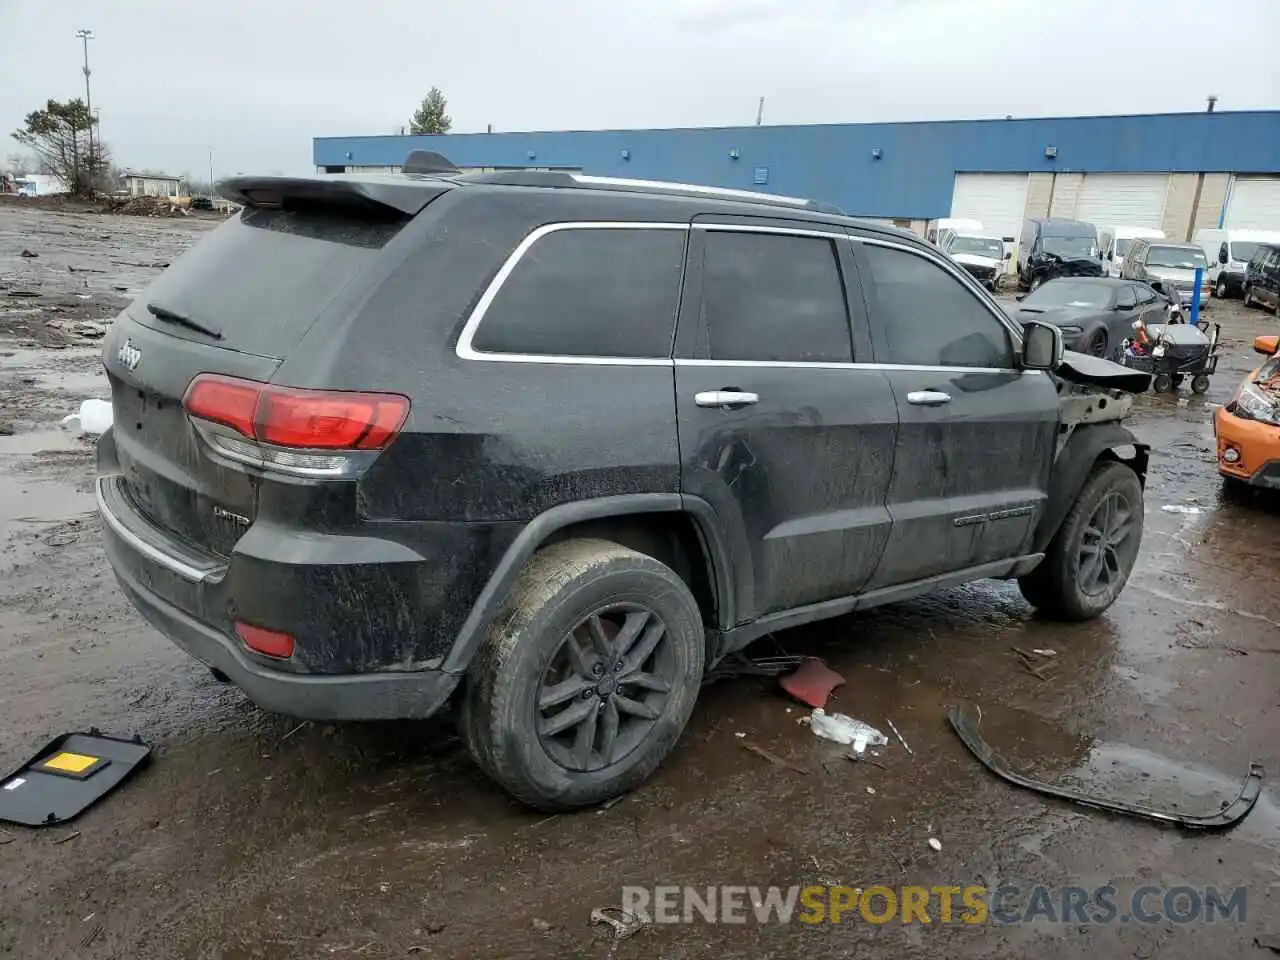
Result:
pixel 1200 383
pixel 560 709
pixel 1221 291
pixel 1163 383
pixel 1092 554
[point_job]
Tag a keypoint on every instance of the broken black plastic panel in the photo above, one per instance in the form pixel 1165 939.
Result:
pixel 965 719
pixel 65 778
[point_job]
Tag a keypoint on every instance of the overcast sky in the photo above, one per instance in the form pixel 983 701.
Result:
pixel 255 80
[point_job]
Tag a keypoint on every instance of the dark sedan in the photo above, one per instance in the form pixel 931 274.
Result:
pixel 1095 314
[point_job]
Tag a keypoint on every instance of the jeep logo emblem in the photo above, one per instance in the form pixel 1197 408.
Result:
pixel 129 355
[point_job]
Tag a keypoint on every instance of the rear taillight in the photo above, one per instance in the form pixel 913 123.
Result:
pixel 307 432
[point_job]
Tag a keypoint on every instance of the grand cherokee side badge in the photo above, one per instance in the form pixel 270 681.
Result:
pixel 129 355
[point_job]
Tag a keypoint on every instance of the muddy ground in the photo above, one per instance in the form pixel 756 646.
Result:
pixel 252 836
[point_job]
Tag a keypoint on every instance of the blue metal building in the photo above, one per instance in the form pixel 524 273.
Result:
pixel 1172 170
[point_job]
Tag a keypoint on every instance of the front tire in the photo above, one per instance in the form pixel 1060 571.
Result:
pixel 1163 383
pixel 1098 344
pixel 1092 554
pixel 1221 291
pixel 1200 383
pixel 587 677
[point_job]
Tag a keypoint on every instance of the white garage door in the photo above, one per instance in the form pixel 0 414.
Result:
pixel 1254 204
pixel 996 199
pixel 1132 200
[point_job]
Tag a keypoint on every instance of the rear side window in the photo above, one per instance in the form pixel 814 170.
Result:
pixel 263 278
pixel 1126 296
pixel 773 297
pixel 926 317
pixel 589 293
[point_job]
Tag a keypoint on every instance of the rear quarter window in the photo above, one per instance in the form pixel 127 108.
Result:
pixel 589 292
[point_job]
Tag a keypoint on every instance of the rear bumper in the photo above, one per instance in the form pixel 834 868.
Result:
pixel 375 607
pixel 370 696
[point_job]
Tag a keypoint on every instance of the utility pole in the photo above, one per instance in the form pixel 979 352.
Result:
pixel 211 174
pixel 1212 100
pixel 760 112
pixel 85 36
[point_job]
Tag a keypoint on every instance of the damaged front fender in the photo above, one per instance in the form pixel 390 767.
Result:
pixel 1084 370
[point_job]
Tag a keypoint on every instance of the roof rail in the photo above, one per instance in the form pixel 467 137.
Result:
pixel 427 162
pixel 563 179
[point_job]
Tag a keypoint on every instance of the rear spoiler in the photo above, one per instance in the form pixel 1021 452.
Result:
pixel 274 193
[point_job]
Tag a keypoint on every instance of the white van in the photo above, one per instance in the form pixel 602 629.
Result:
pixel 937 228
pixel 1114 243
pixel 1228 251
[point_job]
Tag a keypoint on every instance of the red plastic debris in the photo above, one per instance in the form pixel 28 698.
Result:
pixel 812 682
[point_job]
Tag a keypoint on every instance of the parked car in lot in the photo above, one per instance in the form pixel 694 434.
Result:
pixel 559 444
pixel 1114 242
pixel 1247 426
pixel 982 257
pixel 1262 278
pixel 1228 252
pixel 1052 247
pixel 937 230
pixel 1171 264
pixel 1095 314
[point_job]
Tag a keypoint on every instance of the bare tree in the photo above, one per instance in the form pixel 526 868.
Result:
pixel 59 136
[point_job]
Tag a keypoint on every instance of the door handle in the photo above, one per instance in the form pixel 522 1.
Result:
pixel 725 398
pixel 928 398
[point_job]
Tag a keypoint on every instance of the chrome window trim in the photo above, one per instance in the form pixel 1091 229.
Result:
pixel 465 350
pixel 961 275
pixel 822 365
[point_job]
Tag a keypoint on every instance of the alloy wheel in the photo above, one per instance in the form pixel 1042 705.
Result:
pixel 1098 344
pixel 1106 545
pixel 605 687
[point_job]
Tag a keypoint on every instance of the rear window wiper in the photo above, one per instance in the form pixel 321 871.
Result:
pixel 172 316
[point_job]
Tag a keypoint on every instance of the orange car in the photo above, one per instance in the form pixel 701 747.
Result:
pixel 1248 425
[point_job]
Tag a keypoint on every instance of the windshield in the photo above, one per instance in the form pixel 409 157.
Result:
pixel 982 246
pixel 1242 251
pixel 1071 247
pixel 1069 293
pixel 1176 258
pixel 1122 247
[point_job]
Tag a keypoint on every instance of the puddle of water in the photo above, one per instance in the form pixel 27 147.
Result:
pixel 29 502
pixel 39 441
pixel 75 369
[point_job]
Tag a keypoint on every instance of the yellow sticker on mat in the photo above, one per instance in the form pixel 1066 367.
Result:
pixel 70 762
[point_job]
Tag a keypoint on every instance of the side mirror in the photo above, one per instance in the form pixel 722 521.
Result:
pixel 1222 256
pixel 1157 286
pixel 1042 346
pixel 1020 297
pixel 1266 345
pixel 1008 255
pixel 1111 255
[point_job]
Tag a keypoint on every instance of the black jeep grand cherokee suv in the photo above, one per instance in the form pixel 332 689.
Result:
pixel 563 443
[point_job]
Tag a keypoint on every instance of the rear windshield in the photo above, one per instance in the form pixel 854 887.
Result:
pixel 263 278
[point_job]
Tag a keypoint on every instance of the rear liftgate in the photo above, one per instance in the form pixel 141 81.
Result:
pixel 67 776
